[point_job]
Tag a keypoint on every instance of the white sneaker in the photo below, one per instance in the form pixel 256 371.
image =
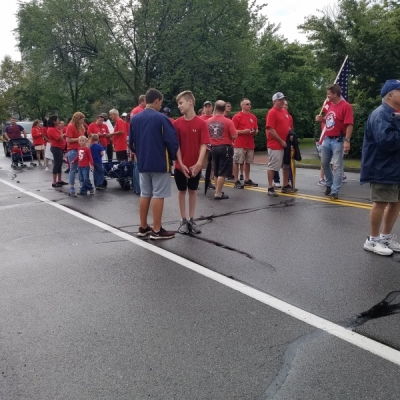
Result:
pixel 277 185
pixel 322 182
pixel 377 247
pixel 344 179
pixel 392 244
pixel 46 169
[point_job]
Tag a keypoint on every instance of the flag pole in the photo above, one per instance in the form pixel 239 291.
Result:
pixel 337 77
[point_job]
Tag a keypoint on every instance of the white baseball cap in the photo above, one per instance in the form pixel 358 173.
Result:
pixel 278 96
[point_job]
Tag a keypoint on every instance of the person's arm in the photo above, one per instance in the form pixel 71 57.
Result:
pixel 232 131
pixel 120 129
pixel 170 137
pixel 6 135
pixel 89 153
pixel 196 168
pixel 24 133
pixel 184 168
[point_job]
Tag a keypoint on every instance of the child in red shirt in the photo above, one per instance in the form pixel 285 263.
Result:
pixel 85 165
pixel 16 155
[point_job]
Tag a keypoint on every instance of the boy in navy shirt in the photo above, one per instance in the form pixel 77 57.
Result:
pixel 97 151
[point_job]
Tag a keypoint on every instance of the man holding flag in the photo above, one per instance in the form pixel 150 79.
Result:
pixel 336 137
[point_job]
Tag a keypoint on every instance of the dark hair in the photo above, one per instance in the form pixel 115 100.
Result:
pixel 45 122
pixel 52 120
pixel 152 95
pixel 335 89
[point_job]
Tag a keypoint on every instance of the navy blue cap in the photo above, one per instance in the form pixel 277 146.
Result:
pixel 166 110
pixel 391 84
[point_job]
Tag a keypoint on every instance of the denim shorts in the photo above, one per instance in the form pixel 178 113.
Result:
pixel 155 184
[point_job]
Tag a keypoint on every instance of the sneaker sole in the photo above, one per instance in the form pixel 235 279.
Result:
pixel 376 252
pixel 161 237
pixel 143 234
pixel 273 195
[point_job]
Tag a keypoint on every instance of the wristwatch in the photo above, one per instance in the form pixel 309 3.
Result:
pixel 347 140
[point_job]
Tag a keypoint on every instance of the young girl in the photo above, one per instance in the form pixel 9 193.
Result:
pixel 38 141
pixel 85 165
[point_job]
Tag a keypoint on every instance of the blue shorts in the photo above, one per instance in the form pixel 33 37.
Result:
pixel 155 184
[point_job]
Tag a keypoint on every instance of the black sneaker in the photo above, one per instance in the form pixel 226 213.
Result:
pixel 162 234
pixel 144 231
pixel 271 192
pixel 100 187
pixel 287 189
pixel 238 185
pixel 56 185
pixel 334 196
pixel 241 178
pixel 230 178
pixel 193 227
pixel 211 186
pixel 62 183
pixel 328 191
pixel 66 171
pixel 250 183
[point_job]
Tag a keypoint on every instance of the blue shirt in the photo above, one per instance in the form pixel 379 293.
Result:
pixel 96 150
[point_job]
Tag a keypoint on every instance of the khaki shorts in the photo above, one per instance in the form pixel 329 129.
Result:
pixel 385 193
pixel 241 156
pixel 275 160
pixel 41 147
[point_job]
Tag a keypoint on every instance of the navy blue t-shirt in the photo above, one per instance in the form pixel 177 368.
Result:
pixel 96 150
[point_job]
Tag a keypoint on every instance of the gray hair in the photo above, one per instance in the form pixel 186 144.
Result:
pixel 114 111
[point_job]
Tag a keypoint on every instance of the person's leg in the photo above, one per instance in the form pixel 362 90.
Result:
pixel 82 188
pixel 87 181
pixel 326 156
pixel 38 157
pixel 96 175
pixel 270 177
pixel 73 167
pixel 375 218
pixel 219 185
pixel 390 217
pixel 337 163
pixel 182 203
pixel 241 169
pixel 136 181
pixel 110 152
pixel 246 169
pixel 157 210
pixel 144 206
pixel 321 173
pixel 193 200
pixel 55 163
pixel 235 171
pixel 285 176
pixel 277 178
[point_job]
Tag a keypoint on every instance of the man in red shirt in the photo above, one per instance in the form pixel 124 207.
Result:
pixel 277 130
pixel 193 137
pixel 207 110
pixel 338 130
pixel 246 125
pixel 101 129
pixel 119 136
pixel 228 109
pixel 141 106
pixel 222 133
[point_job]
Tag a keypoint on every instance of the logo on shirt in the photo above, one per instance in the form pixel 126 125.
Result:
pixel 251 120
pixel 81 153
pixel 216 129
pixel 330 119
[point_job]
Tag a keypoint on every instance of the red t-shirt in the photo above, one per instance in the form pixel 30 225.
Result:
pixel 16 150
pixel 191 135
pixel 221 130
pixel 205 117
pixel 279 121
pixel 37 137
pixel 120 140
pixel 137 110
pixel 244 121
pixel 54 134
pixel 73 134
pixel 338 117
pixel 84 157
pixel 100 130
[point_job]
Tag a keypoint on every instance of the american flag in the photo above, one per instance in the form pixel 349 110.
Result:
pixel 343 79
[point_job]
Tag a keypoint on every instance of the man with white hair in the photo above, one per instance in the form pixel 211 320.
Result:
pixel 119 136
pixel 380 166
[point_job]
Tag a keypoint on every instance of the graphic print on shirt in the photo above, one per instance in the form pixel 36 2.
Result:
pixel 81 153
pixel 216 130
pixel 330 120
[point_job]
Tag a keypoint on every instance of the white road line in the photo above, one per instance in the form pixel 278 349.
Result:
pixel 360 341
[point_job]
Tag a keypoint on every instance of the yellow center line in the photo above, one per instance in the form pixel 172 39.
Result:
pixel 346 203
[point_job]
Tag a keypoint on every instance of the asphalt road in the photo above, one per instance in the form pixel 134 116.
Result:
pixel 90 312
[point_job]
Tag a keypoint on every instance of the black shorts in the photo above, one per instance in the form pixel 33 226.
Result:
pixel 183 183
pixel 222 157
pixel 122 155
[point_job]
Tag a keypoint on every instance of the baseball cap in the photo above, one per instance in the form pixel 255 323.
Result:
pixel 100 116
pixel 166 110
pixel 207 102
pixel 124 114
pixel 391 84
pixel 278 96
pixel 104 115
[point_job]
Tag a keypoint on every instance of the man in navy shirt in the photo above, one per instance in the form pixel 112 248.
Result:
pixel 13 131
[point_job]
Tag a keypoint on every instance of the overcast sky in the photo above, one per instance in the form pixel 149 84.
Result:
pixel 289 13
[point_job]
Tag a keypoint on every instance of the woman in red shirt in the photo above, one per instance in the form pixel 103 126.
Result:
pixel 38 140
pixel 55 135
pixel 74 129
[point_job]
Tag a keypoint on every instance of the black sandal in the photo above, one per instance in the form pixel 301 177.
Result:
pixel 222 197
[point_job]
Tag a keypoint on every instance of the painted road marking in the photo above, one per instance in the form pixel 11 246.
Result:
pixel 338 331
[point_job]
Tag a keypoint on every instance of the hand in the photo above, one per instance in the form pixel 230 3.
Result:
pixel 319 118
pixel 195 169
pixel 72 162
pixel 254 132
pixel 248 131
pixel 186 171
pixel 283 144
pixel 91 169
pixel 346 147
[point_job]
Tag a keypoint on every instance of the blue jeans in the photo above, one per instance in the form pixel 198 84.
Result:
pixel 84 179
pixel 332 152
pixel 98 174
pixel 73 167
pixel 135 178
